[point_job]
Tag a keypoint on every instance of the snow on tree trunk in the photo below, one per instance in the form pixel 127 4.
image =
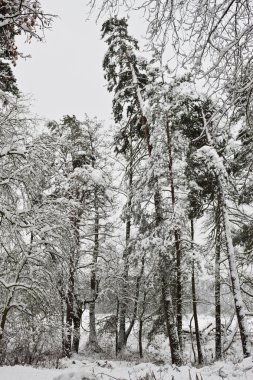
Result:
pixel 122 319
pixel 77 317
pixel 221 174
pixel 9 298
pixel 217 287
pixel 62 309
pixel 92 341
pixel 236 289
pixel 177 236
pixel 194 304
pixel 69 311
pixel 136 300
pixel 175 347
pixel 122 339
pixel 175 350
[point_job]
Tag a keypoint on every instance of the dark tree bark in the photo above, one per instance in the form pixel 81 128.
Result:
pixel 70 304
pixel 177 237
pixel 140 338
pixel 217 290
pixel 77 318
pixel 194 304
pixel 123 334
pixel 69 310
pixel 62 304
pixel 175 349
pixel 176 357
pixel 122 338
pixel 116 329
pixel 93 342
pixel 136 299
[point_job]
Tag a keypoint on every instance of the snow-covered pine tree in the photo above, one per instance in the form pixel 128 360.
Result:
pixel 80 185
pixel 127 77
pixel 211 153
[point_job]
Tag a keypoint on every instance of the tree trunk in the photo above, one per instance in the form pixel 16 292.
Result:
pixel 136 299
pixel 93 342
pixel 116 329
pixel 77 318
pixel 167 300
pixel 175 349
pixel 177 237
pixel 176 357
pixel 194 303
pixel 218 344
pixel 179 287
pixel 69 310
pixel 122 326
pixel 236 289
pixel 140 338
pixel 62 304
pixel 122 338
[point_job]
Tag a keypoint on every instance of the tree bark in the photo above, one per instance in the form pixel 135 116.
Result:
pixel 116 329
pixel 217 290
pixel 140 338
pixel 172 332
pixel 167 300
pixel 136 299
pixel 77 318
pixel 177 237
pixel 194 303
pixel 176 357
pixel 93 342
pixel 122 337
pixel 236 289
pixel 62 304
pixel 69 309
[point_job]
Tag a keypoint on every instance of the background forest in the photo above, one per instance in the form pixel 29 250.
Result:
pixel 136 238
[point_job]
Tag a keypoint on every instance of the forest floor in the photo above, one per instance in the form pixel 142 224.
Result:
pixel 83 369
pixel 153 366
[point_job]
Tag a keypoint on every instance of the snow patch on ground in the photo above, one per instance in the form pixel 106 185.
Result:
pixel 82 369
pixel 19 372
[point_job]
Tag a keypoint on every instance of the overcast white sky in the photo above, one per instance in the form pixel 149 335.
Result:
pixel 65 74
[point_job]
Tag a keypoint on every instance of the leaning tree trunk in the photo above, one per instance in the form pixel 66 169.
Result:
pixel 194 303
pixel 217 290
pixel 236 289
pixel 167 300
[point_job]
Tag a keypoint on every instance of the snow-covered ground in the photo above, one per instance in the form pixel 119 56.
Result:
pixel 83 369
